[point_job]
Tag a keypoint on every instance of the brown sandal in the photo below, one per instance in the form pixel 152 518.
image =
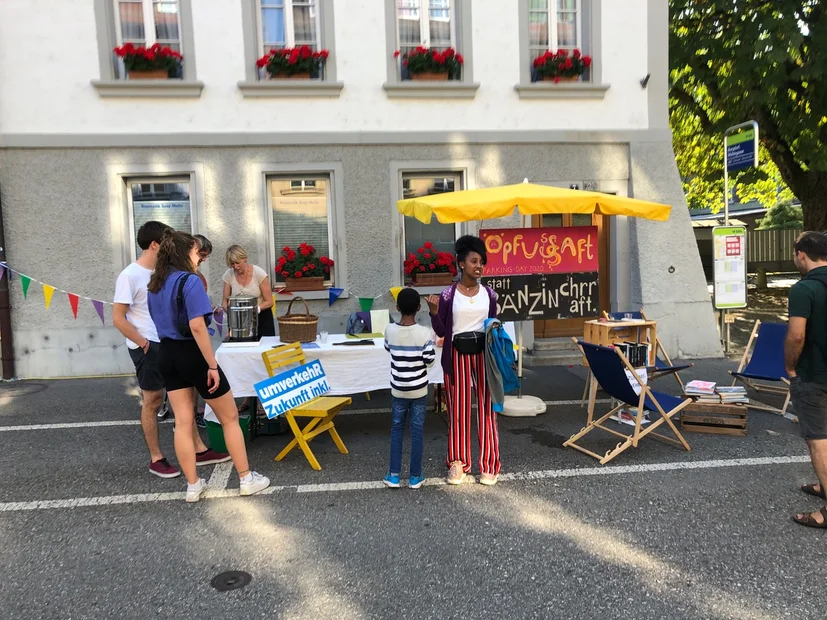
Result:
pixel 808 521
pixel 810 489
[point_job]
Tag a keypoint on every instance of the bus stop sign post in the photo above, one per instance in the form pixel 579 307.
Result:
pixel 740 152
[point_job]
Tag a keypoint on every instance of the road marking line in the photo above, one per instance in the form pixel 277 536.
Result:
pixel 220 476
pixel 59 425
pixel 213 493
pixel 48 427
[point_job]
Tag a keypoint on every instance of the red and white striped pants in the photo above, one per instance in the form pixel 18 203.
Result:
pixel 469 372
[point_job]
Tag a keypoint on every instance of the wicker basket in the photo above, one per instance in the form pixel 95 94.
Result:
pixel 298 327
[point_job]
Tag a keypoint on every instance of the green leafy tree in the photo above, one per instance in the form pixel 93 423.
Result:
pixel 739 60
pixel 783 215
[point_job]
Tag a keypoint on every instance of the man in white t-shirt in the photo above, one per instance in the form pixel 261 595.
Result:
pixel 131 317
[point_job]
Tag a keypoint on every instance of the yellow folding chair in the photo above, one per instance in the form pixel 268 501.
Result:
pixel 322 409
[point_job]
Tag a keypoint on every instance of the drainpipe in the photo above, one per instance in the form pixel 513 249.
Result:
pixel 6 345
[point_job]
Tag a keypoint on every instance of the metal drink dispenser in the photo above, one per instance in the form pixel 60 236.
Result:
pixel 242 317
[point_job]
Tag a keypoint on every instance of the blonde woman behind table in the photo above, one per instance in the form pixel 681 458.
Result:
pixel 243 278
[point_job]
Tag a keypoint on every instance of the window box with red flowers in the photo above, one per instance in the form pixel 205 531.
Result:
pixel 301 269
pixel 150 63
pixel 424 63
pixel 560 66
pixel 428 267
pixel 293 63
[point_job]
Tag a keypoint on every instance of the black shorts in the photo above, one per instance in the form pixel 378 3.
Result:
pixel 810 402
pixel 183 366
pixel 147 367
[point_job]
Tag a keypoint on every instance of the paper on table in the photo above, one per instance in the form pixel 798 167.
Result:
pixel 240 345
pixel 379 320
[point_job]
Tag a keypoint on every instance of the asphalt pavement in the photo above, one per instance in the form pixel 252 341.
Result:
pixel 87 532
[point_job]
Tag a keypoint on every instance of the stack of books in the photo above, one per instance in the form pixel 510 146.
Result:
pixel 731 395
pixel 636 352
pixel 702 391
pixel 710 392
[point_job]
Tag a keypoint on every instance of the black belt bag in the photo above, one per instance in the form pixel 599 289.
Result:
pixel 469 343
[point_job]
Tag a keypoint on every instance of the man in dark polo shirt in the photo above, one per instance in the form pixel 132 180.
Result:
pixel 805 357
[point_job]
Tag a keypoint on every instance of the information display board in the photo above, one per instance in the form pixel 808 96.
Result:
pixel 742 150
pixel 729 248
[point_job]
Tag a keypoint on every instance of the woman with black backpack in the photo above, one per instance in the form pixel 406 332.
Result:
pixel 181 311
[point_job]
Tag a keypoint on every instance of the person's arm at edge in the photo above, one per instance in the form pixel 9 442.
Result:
pixel 123 325
pixel 266 293
pixel 438 320
pixel 225 298
pixel 492 303
pixel 794 343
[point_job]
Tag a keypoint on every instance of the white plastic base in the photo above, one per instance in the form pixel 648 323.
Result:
pixel 525 407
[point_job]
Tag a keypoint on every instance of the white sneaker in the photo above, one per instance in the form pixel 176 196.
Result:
pixel 455 474
pixel 256 483
pixel 194 491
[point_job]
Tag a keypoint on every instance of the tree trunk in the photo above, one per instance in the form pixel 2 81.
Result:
pixel 815 212
pixel 811 189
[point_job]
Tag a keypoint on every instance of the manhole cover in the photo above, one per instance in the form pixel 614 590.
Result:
pixel 14 389
pixel 231 580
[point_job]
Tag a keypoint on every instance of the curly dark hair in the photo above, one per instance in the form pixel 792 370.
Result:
pixel 173 255
pixel 467 244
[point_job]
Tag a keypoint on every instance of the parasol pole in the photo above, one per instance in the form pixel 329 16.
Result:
pixel 520 360
pixel 520 347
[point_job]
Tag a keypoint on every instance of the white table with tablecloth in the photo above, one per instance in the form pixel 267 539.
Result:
pixel 353 369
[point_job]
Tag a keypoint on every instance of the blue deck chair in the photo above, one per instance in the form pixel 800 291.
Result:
pixel 663 365
pixel 766 364
pixel 609 366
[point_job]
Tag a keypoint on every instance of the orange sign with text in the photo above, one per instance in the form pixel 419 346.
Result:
pixel 514 251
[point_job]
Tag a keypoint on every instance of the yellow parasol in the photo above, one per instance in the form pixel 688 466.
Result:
pixel 530 199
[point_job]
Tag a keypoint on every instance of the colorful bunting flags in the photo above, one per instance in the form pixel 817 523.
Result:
pixel 333 295
pixel 24 282
pixel 99 309
pixel 48 291
pixel 365 303
pixel 73 301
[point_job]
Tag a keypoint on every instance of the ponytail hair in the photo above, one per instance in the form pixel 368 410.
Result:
pixel 173 255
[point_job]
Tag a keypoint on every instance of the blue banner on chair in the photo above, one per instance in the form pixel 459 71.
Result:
pixel 291 389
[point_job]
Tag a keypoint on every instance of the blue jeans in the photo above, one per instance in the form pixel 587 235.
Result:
pixel 400 408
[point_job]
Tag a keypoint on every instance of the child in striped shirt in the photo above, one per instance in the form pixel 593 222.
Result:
pixel 412 354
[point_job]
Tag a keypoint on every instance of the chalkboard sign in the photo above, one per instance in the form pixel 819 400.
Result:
pixel 546 296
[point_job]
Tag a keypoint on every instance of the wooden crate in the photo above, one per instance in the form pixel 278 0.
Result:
pixel 717 419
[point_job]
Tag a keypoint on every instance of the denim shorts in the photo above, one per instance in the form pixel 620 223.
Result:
pixel 810 402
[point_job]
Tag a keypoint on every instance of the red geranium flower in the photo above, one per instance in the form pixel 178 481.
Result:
pixel 298 274
pixel 428 245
